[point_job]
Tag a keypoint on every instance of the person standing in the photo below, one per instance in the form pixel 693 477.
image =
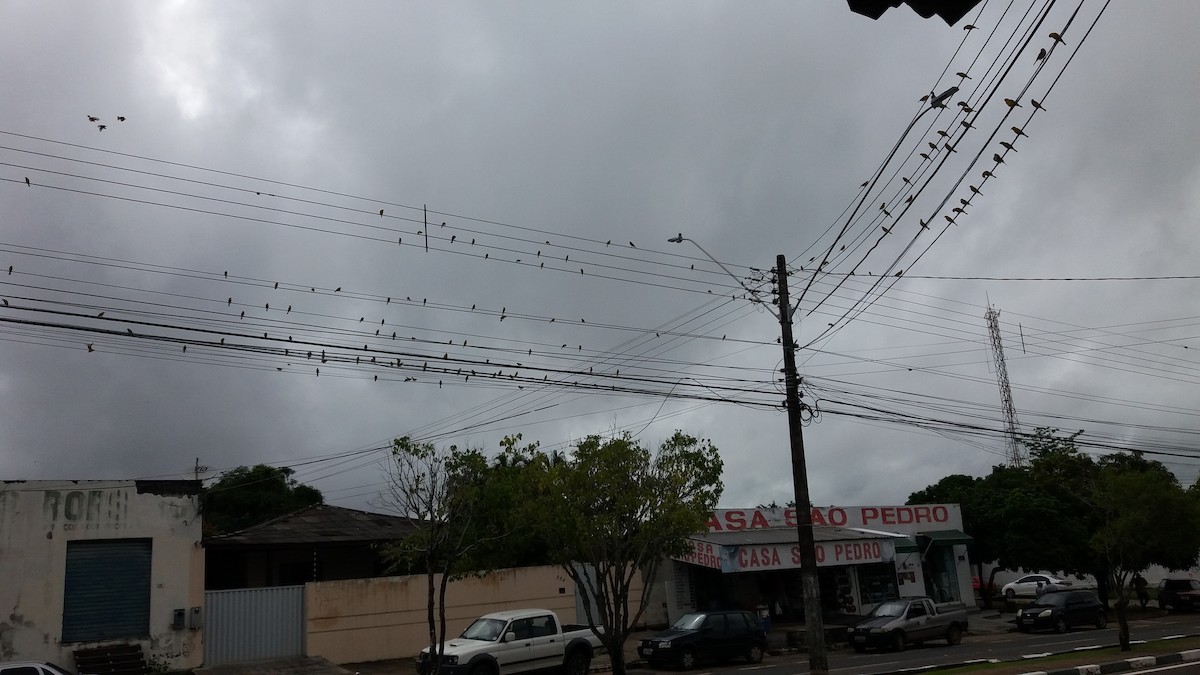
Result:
pixel 1139 585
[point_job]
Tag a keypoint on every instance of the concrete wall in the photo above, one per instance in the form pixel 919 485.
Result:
pixel 38 518
pixel 385 618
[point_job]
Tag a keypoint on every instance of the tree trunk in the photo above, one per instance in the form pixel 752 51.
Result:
pixel 1123 623
pixel 616 655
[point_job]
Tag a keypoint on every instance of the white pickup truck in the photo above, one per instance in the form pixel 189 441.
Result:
pixel 515 641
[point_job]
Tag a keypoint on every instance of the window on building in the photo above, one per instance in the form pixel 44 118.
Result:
pixel 106 591
pixel 876 583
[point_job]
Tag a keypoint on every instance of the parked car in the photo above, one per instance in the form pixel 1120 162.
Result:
pixel 706 636
pixel 898 623
pixel 516 641
pixel 31 668
pixel 1179 594
pixel 1061 610
pixel 1027 586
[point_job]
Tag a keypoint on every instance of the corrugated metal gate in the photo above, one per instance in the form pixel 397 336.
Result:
pixel 107 590
pixel 253 623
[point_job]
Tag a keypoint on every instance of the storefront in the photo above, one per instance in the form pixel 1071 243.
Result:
pixel 749 559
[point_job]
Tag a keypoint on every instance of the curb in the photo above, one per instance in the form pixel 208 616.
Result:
pixel 1125 665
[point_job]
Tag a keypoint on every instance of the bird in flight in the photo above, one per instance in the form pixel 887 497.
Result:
pixel 101 127
pixel 90 348
pixel 93 118
pixel 120 118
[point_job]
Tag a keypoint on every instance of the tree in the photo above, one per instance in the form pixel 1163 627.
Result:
pixel 1066 511
pixel 247 496
pixel 438 491
pixel 1135 500
pixel 612 509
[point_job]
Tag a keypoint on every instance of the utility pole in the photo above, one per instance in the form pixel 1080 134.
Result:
pixel 814 623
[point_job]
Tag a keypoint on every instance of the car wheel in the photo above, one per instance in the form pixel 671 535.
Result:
pixel 1010 593
pixel 578 663
pixel 1023 629
pixel 687 659
pixel 1101 620
pixel 860 648
pixel 899 641
pixel 954 634
pixel 754 654
pixel 1060 625
pixel 481 669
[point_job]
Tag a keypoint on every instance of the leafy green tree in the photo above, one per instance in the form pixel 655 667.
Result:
pixel 1067 511
pixel 440 492
pixel 247 496
pixel 1146 518
pixel 613 508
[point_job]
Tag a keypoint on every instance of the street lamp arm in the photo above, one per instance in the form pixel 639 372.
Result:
pixel 679 239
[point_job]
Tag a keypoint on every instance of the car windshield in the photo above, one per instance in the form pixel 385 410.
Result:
pixel 485 629
pixel 1051 600
pixel 689 622
pixel 895 608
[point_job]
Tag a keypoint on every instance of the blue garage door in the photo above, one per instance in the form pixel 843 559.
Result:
pixel 106 595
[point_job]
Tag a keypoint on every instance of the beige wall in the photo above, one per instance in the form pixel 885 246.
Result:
pixel 38 518
pixel 385 618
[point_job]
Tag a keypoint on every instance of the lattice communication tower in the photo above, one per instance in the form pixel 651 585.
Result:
pixel 1015 451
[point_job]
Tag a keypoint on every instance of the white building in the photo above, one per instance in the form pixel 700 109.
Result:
pixel 94 563
pixel 749 558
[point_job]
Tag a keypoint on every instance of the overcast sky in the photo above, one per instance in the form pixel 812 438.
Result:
pixel 531 159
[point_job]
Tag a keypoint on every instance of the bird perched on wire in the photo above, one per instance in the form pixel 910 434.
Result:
pixel 27 183
pixel 1035 104
pixel 1012 103
pixel 963 76
pixel 997 158
pixel 1019 131
pixel 1008 146
pixel 1057 38
pixel 1041 55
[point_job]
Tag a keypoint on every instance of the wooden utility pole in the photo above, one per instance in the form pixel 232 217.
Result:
pixel 814 622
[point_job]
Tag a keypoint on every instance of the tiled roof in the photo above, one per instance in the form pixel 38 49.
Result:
pixel 318 524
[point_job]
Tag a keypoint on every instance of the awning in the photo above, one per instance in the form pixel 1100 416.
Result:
pixel 907 545
pixel 945 537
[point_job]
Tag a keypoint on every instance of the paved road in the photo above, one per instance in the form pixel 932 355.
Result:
pixel 1006 646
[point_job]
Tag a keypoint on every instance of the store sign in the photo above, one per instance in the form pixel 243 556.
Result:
pixel 752 558
pixel 893 518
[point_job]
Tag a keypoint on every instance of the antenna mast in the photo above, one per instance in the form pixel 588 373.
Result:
pixel 1015 454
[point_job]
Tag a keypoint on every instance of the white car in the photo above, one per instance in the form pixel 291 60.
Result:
pixel 1027 586
pixel 31 668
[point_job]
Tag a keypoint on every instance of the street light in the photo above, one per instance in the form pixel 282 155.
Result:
pixel 814 622
pixel 679 239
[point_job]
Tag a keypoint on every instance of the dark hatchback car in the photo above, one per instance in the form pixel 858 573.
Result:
pixel 706 636
pixel 1179 594
pixel 1061 610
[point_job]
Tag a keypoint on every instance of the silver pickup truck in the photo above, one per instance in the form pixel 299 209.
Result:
pixel 516 641
pixel 898 623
